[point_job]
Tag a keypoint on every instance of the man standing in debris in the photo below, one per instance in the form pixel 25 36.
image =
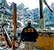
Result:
pixel 29 36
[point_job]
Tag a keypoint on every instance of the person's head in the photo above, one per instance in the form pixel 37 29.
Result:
pixel 29 23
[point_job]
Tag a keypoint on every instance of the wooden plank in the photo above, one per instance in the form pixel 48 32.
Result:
pixel 14 23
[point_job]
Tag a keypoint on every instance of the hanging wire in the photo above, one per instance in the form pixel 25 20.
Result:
pixel 48 6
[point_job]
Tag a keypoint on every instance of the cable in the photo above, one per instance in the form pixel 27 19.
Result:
pixel 48 6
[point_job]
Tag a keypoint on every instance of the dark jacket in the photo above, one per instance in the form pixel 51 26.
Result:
pixel 29 34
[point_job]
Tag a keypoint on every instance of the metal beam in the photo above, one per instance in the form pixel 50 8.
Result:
pixel 41 9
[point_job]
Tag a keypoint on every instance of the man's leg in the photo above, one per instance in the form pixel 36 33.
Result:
pixel 28 45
